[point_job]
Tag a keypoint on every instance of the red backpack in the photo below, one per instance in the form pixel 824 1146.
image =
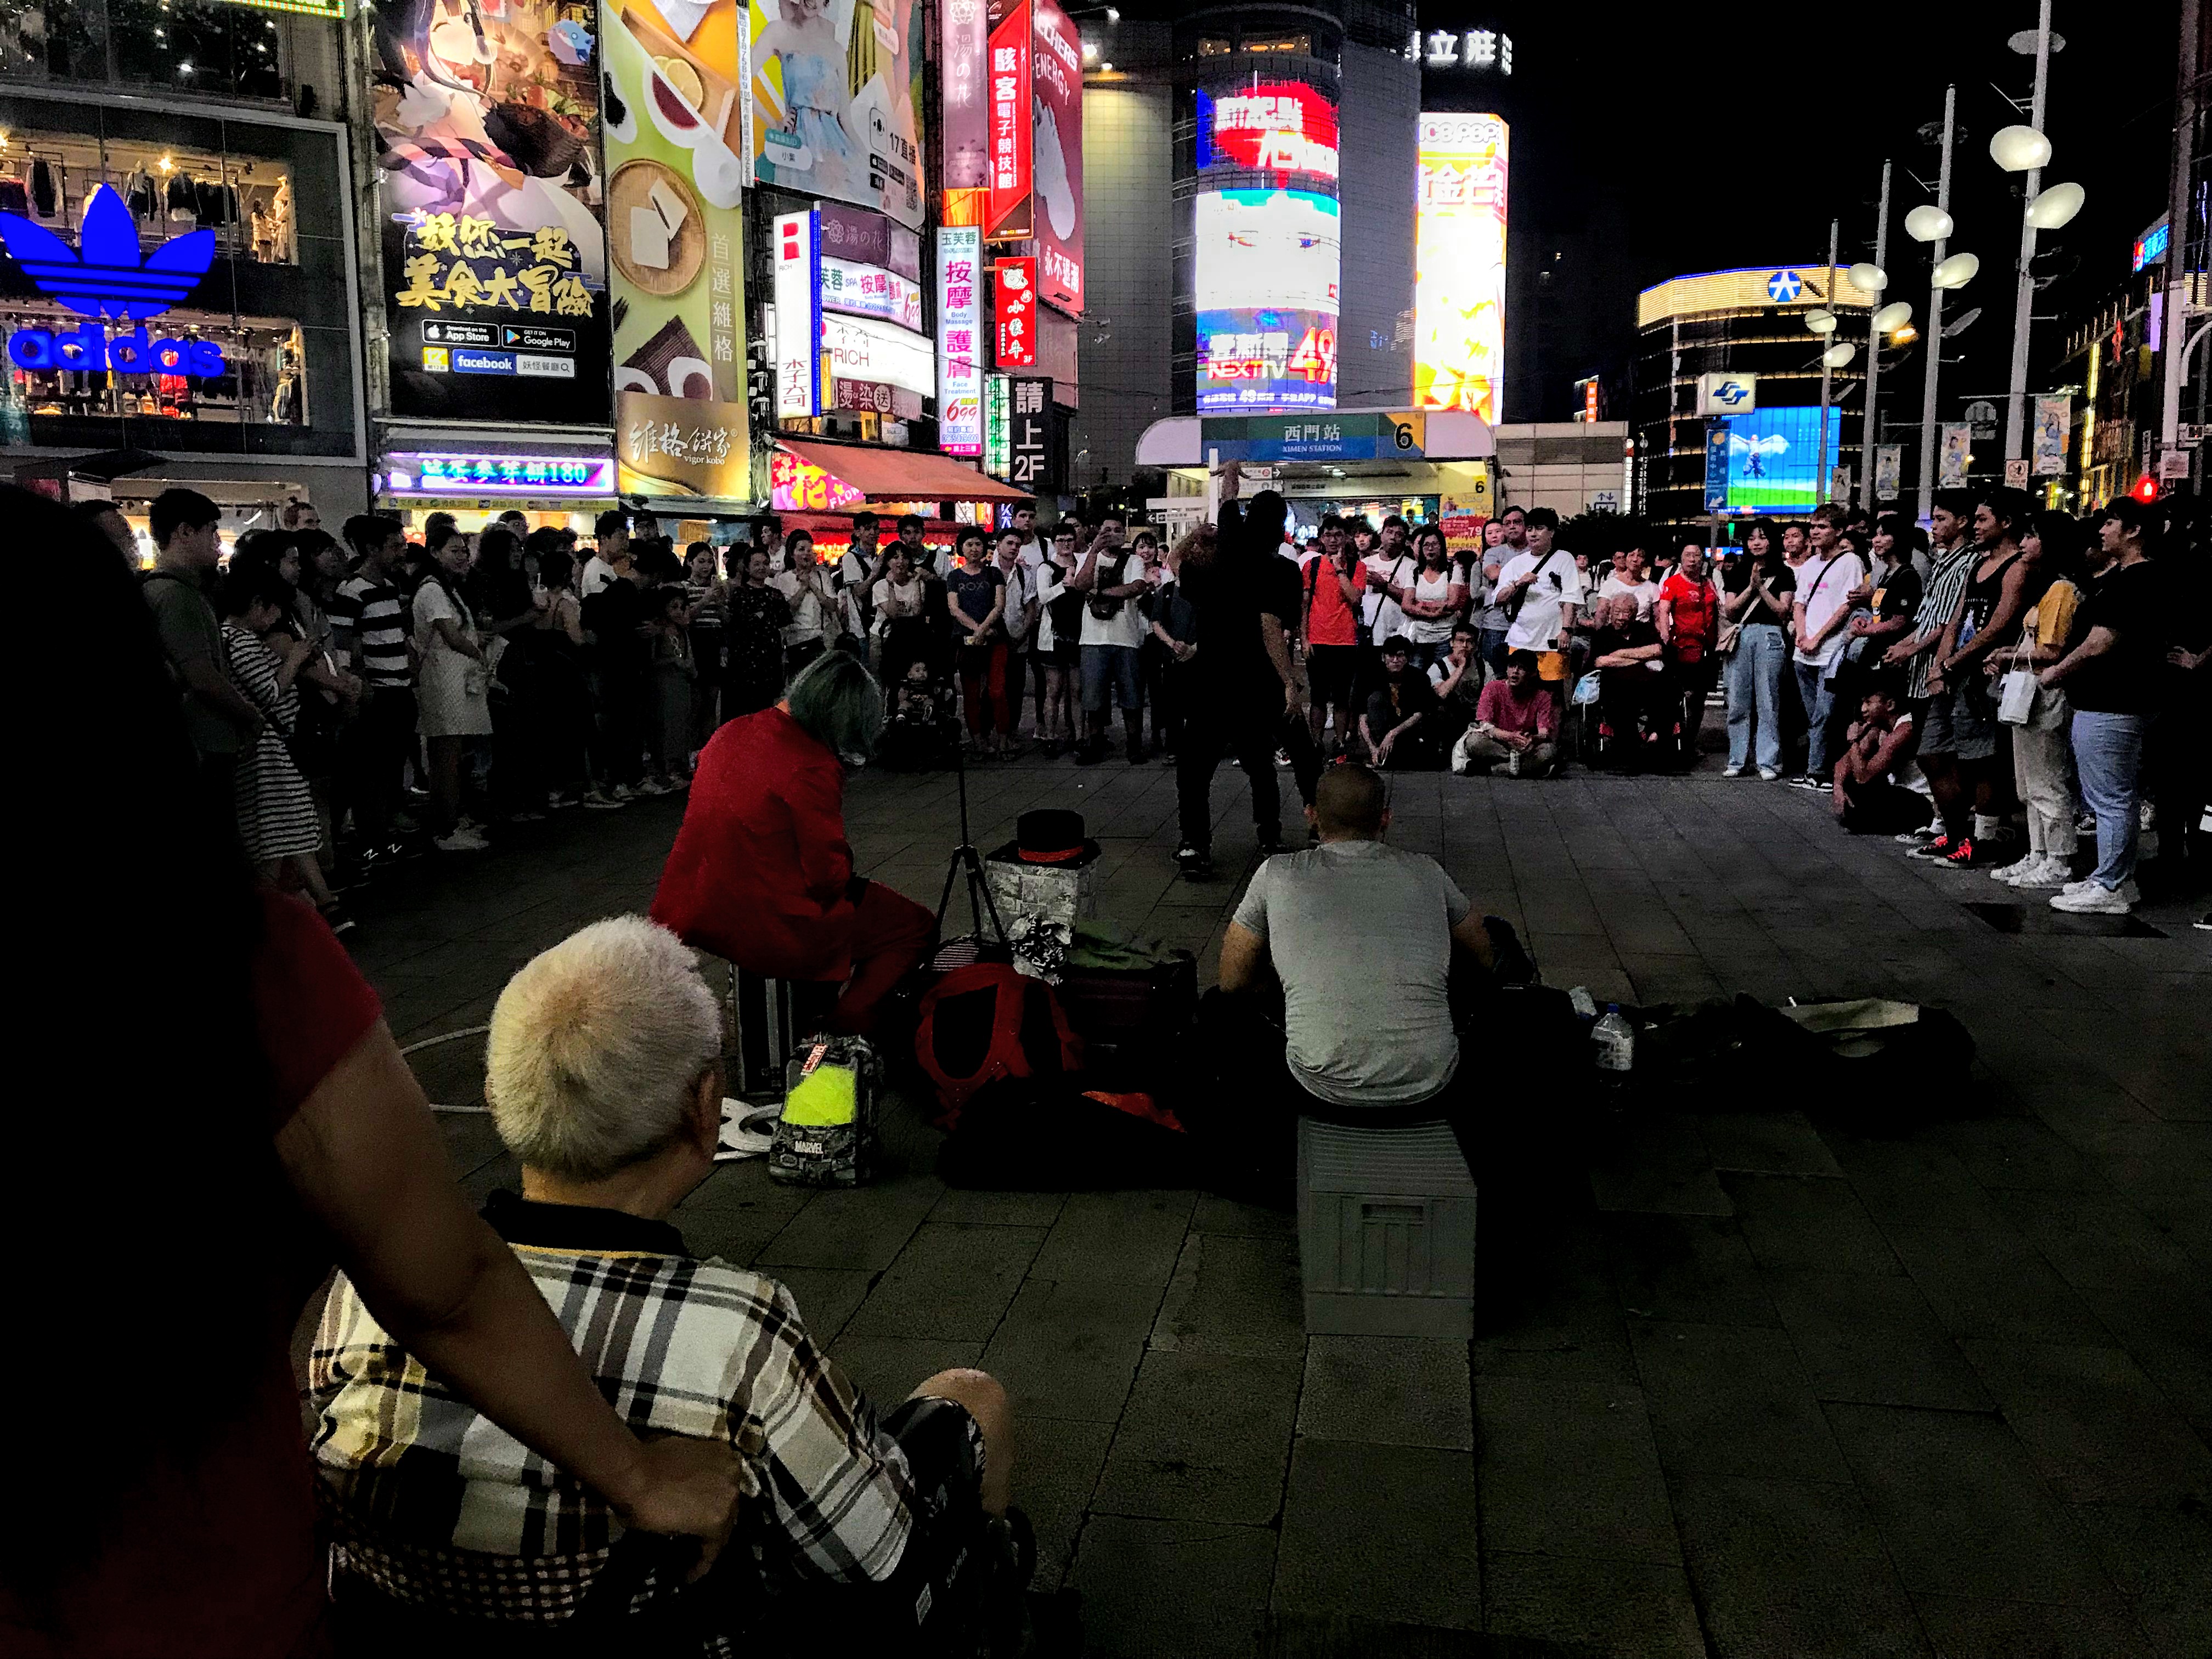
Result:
pixel 986 1022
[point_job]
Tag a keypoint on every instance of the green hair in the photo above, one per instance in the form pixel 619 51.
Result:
pixel 837 702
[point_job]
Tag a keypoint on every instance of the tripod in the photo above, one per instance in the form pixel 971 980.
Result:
pixel 965 859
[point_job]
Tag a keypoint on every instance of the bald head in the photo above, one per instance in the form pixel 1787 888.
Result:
pixel 1350 804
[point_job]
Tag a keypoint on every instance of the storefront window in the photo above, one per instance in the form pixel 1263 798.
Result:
pixel 202 47
pixel 171 282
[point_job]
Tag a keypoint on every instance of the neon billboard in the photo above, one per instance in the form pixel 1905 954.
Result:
pixel 1268 266
pixel 1459 264
pixel 1272 126
pixel 104 275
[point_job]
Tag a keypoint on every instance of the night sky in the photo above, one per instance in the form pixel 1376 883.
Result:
pixel 1701 137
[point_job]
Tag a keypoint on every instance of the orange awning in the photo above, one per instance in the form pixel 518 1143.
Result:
pixel 901 475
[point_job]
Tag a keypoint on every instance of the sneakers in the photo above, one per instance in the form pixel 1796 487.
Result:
pixel 621 791
pixel 461 841
pixel 2093 899
pixel 1920 837
pixel 1806 780
pixel 1966 856
pixel 1938 846
pixel 1193 861
pixel 656 787
pixel 596 802
pixel 525 816
pixel 1513 763
pixel 336 918
pixel 2045 871
pixel 1731 771
pixel 1767 775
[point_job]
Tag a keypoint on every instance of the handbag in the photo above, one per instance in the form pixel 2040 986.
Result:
pixel 2016 697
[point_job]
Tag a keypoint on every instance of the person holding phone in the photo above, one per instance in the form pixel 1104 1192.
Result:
pixel 1541 590
pixel 1759 600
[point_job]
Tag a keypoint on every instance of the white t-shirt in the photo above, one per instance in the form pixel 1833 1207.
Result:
pixel 810 617
pixel 1824 587
pixel 1050 585
pixel 598 572
pixel 1382 614
pixel 1536 628
pixel 1126 625
pixel 1433 589
pixel 912 594
pixel 1646 593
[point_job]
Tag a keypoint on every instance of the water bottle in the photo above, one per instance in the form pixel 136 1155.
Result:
pixel 1615 1039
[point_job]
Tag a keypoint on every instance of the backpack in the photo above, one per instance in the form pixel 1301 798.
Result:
pixel 827 1136
pixel 985 1022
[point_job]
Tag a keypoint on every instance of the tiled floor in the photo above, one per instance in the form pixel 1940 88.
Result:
pixel 1753 1385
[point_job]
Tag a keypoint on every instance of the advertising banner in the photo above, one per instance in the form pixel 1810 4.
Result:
pixel 2054 419
pixel 675 239
pixel 836 100
pixel 798 316
pixel 1057 77
pixel 1459 263
pixel 960 340
pixel 1888 470
pixel 964 145
pixel 1015 286
pixel 1267 270
pixel 1271 127
pixel 1957 441
pixel 1009 212
pixel 488 194
pixel 862 348
pixel 1029 433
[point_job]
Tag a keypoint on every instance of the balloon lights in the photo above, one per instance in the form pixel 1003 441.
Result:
pixel 2055 208
pixel 1956 272
pixel 1821 322
pixel 1867 277
pixel 1839 354
pixel 2019 149
pixel 1927 224
pixel 1892 317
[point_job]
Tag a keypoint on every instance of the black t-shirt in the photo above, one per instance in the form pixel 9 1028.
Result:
pixel 975 591
pixel 1627 637
pixel 1241 584
pixel 612 615
pixel 2124 680
pixel 1781 581
pixel 1897 594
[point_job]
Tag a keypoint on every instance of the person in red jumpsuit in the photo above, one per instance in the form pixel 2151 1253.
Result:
pixel 761 874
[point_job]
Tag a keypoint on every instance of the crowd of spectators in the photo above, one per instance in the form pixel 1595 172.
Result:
pixel 358 699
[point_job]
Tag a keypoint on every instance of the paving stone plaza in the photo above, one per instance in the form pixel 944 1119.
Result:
pixel 1746 1385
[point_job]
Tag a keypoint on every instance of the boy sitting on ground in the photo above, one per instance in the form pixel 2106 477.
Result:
pixel 1867 800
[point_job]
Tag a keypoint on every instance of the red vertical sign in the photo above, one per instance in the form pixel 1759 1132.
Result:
pixel 1016 285
pixel 1010 215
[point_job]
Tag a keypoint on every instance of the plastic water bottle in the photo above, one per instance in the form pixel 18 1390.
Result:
pixel 1615 1038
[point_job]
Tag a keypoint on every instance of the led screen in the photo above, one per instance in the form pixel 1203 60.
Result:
pixel 1773 466
pixel 1265 293
pixel 1459 264
pixel 1270 126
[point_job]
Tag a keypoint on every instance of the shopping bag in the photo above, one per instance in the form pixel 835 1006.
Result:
pixel 2016 697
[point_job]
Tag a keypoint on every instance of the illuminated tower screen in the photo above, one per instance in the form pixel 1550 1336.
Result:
pixel 1459 260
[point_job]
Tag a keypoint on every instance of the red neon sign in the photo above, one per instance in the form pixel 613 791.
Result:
pixel 1010 211
pixel 1015 285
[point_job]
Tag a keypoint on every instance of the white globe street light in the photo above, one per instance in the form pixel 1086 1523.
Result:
pixel 2019 150
pixel 1821 322
pixel 1892 317
pixel 1956 272
pixel 2055 208
pixel 1927 224
pixel 1867 277
pixel 1838 355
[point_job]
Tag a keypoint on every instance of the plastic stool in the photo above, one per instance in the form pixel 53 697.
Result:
pixel 1386 1230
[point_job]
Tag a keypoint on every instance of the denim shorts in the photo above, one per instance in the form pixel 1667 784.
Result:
pixel 1962 721
pixel 1110 664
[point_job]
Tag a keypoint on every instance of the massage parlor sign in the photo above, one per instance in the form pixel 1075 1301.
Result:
pixel 494 250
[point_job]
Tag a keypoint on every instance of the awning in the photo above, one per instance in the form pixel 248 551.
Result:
pixel 901 475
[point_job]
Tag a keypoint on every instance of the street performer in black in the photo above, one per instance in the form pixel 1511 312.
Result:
pixel 1249 699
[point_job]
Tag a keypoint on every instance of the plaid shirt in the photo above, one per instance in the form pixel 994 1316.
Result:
pixel 1946 582
pixel 437 1506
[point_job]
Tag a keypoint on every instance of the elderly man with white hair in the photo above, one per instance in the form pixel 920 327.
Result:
pixel 603 1077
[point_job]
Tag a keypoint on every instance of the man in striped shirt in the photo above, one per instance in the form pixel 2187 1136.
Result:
pixel 369 620
pixel 1927 696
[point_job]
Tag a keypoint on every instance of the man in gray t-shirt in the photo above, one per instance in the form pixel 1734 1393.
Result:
pixel 1361 935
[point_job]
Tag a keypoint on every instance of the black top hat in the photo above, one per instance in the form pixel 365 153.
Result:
pixel 1053 836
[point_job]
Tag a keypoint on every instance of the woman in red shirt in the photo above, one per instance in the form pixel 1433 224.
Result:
pixel 242 1125
pixel 1689 617
pixel 761 874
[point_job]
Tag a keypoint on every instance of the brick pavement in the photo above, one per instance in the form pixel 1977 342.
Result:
pixel 1761 1387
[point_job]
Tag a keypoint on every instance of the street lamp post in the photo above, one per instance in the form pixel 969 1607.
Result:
pixel 1941 224
pixel 1869 432
pixel 2023 304
pixel 1826 486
